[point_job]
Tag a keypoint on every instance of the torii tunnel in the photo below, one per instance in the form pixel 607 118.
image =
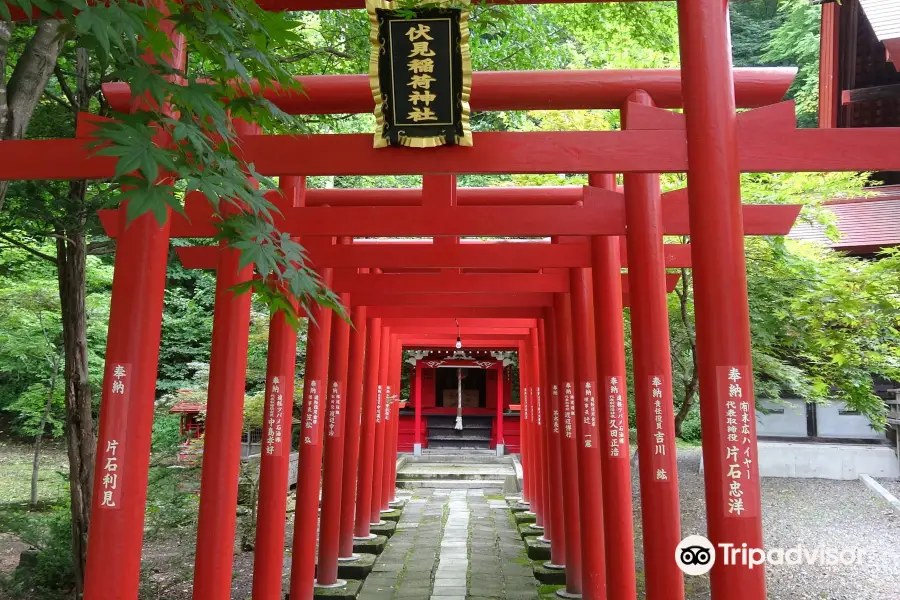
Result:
pixel 556 299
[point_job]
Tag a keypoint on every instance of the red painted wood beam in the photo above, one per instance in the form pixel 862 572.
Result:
pixel 469 256
pixel 424 344
pixel 18 15
pixel 484 337
pixel 461 312
pixel 604 218
pixel 463 322
pixel 603 214
pixel 513 90
pixel 451 283
pixel 453 300
pixel 640 151
pixel 417 256
pixel 469 331
pixel 759 219
pixel 476 196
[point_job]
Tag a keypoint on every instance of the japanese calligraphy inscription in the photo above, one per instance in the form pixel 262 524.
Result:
pixel 113 430
pixel 273 425
pixel 311 407
pixel 420 74
pixel 738 428
pixel 615 417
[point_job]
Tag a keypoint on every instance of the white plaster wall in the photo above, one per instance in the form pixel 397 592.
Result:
pixel 827 461
pixel 830 423
pixel 792 423
pixel 833 424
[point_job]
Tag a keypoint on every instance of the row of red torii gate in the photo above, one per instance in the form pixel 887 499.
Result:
pixel 555 299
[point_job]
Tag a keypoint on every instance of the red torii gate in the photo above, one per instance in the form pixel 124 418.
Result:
pixel 710 141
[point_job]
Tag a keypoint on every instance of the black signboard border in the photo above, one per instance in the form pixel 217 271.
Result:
pixel 373 6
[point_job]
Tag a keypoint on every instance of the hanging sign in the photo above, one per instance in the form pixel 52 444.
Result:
pixel 420 73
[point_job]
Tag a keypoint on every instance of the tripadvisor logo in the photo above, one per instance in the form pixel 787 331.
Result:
pixel 696 555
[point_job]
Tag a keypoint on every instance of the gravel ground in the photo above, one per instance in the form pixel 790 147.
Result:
pixel 891 485
pixel 811 512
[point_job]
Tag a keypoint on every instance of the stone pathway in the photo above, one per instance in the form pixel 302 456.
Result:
pixel 453 545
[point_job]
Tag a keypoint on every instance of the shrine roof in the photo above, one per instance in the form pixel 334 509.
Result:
pixel 187 407
pixel 884 16
pixel 866 224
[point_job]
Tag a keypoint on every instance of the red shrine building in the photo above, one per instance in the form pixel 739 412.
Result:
pixel 460 399
pixel 556 300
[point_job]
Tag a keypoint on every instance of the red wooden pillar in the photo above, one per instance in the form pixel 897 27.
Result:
pixel 524 448
pixel 306 515
pixel 613 409
pixel 126 406
pixel 329 523
pixel 568 443
pixel 380 408
pixel 366 472
pixel 417 394
pixel 550 493
pixel 268 556
pixel 720 286
pixel 590 481
pixel 538 431
pixel 660 512
pixel 391 425
pixel 534 471
pixel 353 424
pixel 224 421
pixel 500 441
pixel 555 467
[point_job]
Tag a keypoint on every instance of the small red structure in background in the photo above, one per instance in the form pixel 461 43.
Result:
pixel 192 418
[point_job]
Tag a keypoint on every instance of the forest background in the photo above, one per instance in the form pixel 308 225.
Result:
pixel 823 324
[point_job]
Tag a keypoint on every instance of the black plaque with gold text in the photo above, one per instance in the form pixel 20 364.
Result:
pixel 421 76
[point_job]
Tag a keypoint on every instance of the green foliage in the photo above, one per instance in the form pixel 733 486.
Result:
pixel 166 433
pixel 31 335
pixel 824 323
pixel 786 33
pixel 690 428
pixel 163 154
pixel 51 574
pixel 796 42
pixel 186 325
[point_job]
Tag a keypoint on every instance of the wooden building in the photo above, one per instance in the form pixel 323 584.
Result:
pixel 859 83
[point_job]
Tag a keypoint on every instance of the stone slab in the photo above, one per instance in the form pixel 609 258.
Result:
pixel 536 550
pixel 349 591
pixel 387 530
pixel 373 546
pixel 393 515
pixel 357 569
pixel 518 507
pixel 548 576
pixel 523 517
pixel 526 531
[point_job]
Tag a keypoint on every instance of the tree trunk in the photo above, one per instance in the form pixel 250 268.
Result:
pixel 80 441
pixel 21 94
pixel 40 434
pixel 690 389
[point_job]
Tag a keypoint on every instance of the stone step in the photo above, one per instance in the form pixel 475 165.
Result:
pixel 461 444
pixel 468 420
pixel 449 434
pixel 459 456
pixel 455 472
pixel 450 484
pixel 466 426
pixel 475 455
